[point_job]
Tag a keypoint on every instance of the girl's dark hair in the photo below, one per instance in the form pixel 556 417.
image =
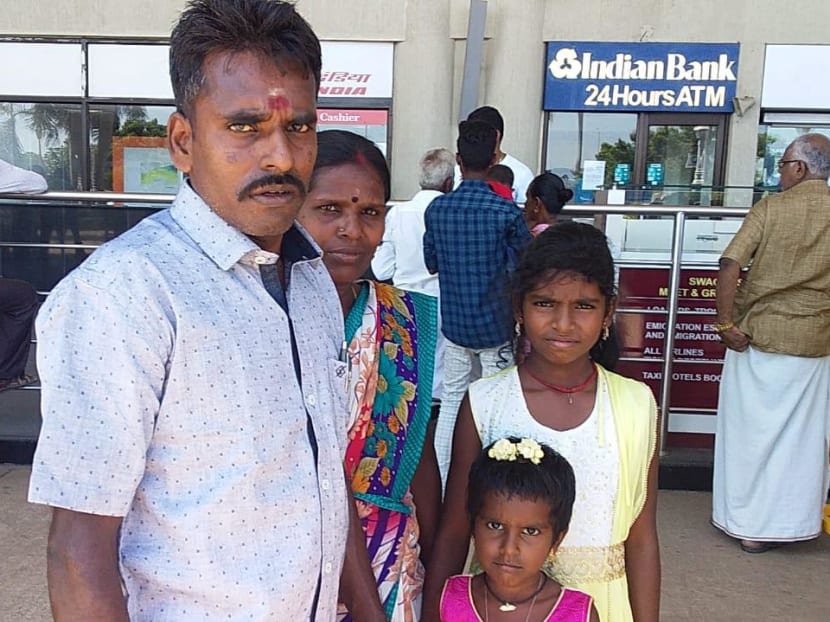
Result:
pixel 268 28
pixel 335 147
pixel 551 191
pixel 551 481
pixel 568 248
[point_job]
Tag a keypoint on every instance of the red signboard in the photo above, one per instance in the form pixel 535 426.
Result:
pixel 698 351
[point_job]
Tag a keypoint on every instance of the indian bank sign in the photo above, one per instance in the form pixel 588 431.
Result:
pixel 603 77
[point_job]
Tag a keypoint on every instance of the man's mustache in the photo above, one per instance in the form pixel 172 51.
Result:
pixel 273 180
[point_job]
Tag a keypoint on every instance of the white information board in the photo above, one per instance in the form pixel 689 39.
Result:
pixel 593 174
pixel 356 69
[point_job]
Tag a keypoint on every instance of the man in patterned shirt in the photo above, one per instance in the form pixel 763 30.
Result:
pixel 193 402
pixel 472 239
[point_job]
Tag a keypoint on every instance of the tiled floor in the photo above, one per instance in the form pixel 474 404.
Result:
pixel 706 578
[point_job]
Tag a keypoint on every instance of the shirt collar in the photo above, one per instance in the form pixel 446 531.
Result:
pixel 226 245
pixel 427 193
pixel 810 186
pixel 471 183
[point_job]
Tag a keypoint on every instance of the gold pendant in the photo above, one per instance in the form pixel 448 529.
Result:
pixel 507 607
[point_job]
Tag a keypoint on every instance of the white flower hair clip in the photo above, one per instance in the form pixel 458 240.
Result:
pixel 527 448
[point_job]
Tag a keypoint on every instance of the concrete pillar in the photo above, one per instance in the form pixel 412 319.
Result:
pixel 515 66
pixel 743 130
pixel 422 92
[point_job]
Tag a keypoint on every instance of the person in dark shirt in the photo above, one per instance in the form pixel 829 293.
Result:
pixel 472 239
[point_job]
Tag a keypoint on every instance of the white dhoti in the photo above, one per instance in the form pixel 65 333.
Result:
pixel 771 448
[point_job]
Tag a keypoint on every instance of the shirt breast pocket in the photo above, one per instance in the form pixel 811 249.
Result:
pixel 339 373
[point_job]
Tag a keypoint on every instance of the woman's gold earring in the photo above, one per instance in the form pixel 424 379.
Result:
pixel 605 332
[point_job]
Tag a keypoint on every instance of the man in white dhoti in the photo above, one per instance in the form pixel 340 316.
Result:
pixel 773 429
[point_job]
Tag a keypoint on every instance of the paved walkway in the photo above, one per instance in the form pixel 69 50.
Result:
pixel 706 578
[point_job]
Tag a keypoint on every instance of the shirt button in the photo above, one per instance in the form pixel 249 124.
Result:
pixel 324 484
pixel 260 260
pixel 311 400
pixel 327 568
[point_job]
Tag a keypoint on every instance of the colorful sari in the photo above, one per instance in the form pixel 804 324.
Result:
pixel 392 336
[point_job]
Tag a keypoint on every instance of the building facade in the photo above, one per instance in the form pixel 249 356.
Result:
pixel 425 48
pixel 676 103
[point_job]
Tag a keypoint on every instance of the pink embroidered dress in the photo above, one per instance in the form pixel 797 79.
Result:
pixel 457 603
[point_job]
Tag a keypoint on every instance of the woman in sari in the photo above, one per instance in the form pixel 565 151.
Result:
pixel 389 347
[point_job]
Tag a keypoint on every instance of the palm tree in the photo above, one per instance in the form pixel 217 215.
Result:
pixel 47 121
pixel 10 146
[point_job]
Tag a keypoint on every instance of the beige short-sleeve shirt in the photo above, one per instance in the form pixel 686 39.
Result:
pixel 783 304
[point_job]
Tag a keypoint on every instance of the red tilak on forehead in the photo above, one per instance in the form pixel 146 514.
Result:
pixel 278 102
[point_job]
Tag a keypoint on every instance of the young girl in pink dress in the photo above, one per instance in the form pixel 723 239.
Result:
pixel 519 501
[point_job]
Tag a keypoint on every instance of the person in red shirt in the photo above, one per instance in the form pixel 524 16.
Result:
pixel 500 179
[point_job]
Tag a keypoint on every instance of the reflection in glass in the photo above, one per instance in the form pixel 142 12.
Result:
pixel 56 222
pixel 679 157
pixel 772 142
pixel 574 137
pixel 128 148
pixel 45 138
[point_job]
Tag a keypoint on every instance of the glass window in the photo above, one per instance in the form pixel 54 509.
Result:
pixel 681 157
pixel 574 137
pixel 373 124
pixel 772 141
pixel 128 149
pixel 45 138
pixel 41 69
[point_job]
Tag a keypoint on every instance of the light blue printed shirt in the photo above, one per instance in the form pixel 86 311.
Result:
pixel 170 398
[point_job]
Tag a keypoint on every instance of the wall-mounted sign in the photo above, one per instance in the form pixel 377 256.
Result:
pixel 142 164
pixel 593 174
pixel 678 77
pixel 698 351
pixel 787 68
pixel 329 116
pixel 622 173
pixel 654 174
pixel 356 69
pixel 373 124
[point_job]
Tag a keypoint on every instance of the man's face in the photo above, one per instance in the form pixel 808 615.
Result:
pixel 249 143
pixel 791 170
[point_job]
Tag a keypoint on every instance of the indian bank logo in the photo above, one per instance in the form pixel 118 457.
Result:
pixel 565 65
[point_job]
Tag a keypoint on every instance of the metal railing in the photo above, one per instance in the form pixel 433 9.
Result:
pixel 679 214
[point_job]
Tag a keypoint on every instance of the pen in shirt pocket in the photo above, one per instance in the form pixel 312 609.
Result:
pixel 346 358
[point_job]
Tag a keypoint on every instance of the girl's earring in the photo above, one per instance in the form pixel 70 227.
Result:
pixel 518 328
pixel 605 332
